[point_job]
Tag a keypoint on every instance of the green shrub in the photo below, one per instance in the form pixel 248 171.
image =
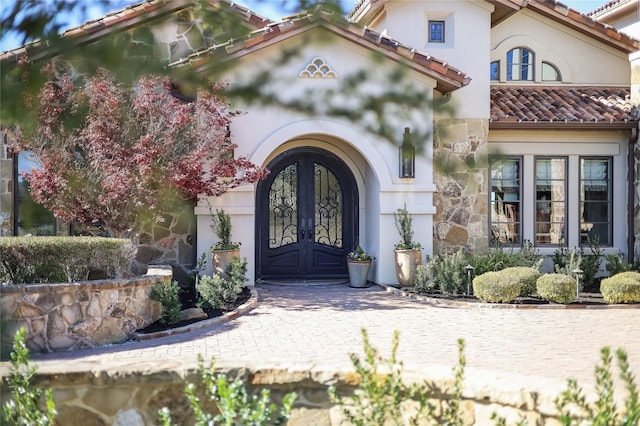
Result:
pixel 167 294
pixel 575 409
pixel 444 272
pixel 621 288
pixel 25 260
pixel 217 292
pixel 24 408
pixel 566 261
pixel 559 288
pixel 234 404
pixel 525 276
pixel 616 264
pixel 498 258
pixel 496 287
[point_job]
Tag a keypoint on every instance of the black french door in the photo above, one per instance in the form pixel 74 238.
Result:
pixel 306 218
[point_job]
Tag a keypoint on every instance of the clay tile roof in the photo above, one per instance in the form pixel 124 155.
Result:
pixel 448 78
pixel 130 16
pixel 523 106
pixel 552 9
pixel 584 23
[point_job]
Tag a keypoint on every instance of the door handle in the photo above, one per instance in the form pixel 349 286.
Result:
pixel 302 228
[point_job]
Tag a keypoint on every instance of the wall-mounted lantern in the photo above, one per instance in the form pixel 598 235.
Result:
pixel 407 156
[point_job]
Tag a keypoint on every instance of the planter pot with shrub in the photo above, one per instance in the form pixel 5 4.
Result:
pixel 407 253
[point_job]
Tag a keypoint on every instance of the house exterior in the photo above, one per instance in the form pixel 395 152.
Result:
pixel 526 131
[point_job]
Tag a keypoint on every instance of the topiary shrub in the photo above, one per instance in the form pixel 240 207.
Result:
pixel 621 288
pixel 496 287
pixel 525 276
pixel 558 288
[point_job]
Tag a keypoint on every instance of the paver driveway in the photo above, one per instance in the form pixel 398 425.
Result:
pixel 321 324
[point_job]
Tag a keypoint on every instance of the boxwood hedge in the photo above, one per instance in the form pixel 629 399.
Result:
pixel 621 288
pixel 559 288
pixel 496 287
pixel 25 260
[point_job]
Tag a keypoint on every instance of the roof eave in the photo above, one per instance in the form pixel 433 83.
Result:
pixel 562 125
pixel 584 24
pixel 447 79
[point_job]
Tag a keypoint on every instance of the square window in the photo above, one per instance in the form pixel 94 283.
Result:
pixel 436 31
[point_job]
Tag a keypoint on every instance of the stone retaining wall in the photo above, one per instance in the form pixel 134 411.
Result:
pixel 132 394
pixel 70 316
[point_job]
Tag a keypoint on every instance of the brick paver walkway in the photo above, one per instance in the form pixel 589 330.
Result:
pixel 297 325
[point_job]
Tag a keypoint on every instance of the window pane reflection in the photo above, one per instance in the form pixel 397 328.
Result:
pixel 505 200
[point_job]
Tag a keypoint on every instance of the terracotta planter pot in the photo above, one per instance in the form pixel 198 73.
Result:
pixel 406 263
pixel 358 272
pixel 220 259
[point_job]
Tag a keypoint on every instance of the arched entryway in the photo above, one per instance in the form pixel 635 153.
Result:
pixel 306 216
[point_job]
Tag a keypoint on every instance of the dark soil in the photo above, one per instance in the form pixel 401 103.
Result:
pixel 584 299
pixel 188 300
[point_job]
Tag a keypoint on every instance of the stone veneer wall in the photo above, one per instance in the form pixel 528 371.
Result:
pixel 132 394
pixel 461 200
pixel 69 316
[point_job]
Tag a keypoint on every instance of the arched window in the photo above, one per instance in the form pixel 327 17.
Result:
pixel 550 72
pixel 520 64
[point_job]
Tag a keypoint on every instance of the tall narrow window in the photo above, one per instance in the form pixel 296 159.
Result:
pixel 494 71
pixel 505 200
pixel 520 64
pixel 551 196
pixel 595 201
pixel 436 31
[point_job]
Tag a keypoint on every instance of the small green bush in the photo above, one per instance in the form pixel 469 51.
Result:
pixel 217 292
pixel 558 288
pixel 233 402
pixel 25 260
pixel 168 295
pixel 25 406
pixel 444 272
pixel 499 258
pixel 496 287
pixel 621 288
pixel 525 276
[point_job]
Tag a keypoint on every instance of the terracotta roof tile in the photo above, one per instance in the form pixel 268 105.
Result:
pixel 561 105
pixel 132 15
pixel 552 9
pixel 448 78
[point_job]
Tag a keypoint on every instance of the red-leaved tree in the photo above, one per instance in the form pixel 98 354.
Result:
pixel 116 157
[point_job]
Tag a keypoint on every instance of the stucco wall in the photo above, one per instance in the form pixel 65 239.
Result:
pixel 69 316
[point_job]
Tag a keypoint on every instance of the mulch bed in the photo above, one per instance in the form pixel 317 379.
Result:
pixel 188 300
pixel 585 298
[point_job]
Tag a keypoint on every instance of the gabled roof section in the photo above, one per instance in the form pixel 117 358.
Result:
pixel 447 77
pixel 584 23
pixel 127 18
pixel 526 107
pixel 552 9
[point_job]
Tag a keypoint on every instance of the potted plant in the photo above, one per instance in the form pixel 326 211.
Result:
pixel 222 252
pixel 358 263
pixel 408 254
